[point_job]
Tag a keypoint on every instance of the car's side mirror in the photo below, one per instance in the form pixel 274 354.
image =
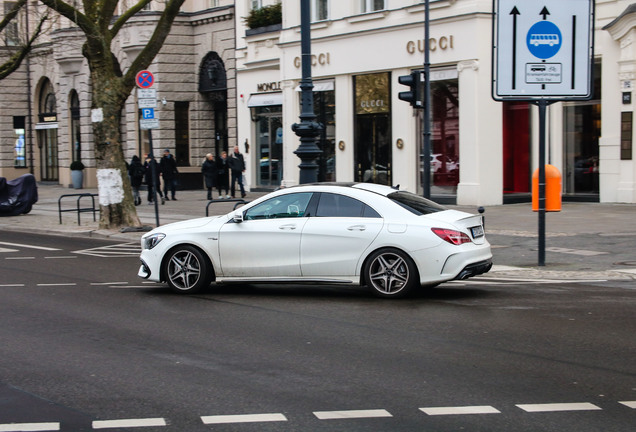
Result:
pixel 237 217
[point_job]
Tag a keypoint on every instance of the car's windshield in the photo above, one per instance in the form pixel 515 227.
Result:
pixel 415 203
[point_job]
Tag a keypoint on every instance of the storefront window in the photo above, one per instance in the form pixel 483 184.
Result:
pixel 516 148
pixel 445 136
pixel 76 137
pixel 269 144
pixel 182 133
pixel 325 109
pixel 582 129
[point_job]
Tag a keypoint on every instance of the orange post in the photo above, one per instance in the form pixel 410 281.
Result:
pixel 552 189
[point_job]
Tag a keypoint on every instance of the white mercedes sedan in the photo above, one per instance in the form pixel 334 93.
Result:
pixel 389 240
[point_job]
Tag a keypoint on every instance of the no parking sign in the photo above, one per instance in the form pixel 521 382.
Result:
pixel 144 79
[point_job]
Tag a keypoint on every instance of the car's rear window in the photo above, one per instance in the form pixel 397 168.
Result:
pixel 414 203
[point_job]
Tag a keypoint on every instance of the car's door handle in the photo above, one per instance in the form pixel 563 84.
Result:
pixel 357 228
pixel 287 227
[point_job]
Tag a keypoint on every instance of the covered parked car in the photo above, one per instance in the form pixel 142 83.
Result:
pixel 357 234
pixel 18 196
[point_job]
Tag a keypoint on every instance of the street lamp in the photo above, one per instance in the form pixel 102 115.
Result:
pixel 308 129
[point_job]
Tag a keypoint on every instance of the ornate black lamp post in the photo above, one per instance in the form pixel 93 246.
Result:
pixel 308 129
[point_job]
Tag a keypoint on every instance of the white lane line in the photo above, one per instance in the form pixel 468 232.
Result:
pixel 57 284
pixel 19 258
pixel 131 423
pixel 629 404
pixel 351 414
pixel 109 283
pixel 11 285
pixel 243 418
pixel 60 257
pixel 18 245
pixel 458 410
pixel 556 407
pixel 29 427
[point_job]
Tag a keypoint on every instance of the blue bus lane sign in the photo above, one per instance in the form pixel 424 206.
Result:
pixel 542 50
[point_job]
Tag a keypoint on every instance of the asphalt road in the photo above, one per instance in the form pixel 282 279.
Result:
pixel 85 345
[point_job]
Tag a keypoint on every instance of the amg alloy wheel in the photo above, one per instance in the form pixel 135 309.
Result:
pixel 187 270
pixel 390 273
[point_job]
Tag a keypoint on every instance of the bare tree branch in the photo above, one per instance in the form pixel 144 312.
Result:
pixel 12 14
pixel 126 16
pixel 16 59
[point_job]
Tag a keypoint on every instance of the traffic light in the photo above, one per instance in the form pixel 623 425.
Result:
pixel 414 82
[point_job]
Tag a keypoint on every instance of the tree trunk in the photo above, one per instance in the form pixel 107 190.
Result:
pixel 115 193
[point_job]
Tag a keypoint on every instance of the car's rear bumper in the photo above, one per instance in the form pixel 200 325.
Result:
pixel 475 269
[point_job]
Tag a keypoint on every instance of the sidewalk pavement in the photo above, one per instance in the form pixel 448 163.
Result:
pixel 585 241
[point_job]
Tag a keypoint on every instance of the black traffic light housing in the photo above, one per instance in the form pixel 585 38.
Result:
pixel 415 82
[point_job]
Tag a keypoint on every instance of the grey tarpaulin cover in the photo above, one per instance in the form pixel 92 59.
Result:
pixel 17 196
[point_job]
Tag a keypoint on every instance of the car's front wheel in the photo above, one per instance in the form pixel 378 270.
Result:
pixel 187 270
pixel 390 273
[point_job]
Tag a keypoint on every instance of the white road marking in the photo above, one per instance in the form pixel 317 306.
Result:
pixel 575 251
pixel 11 285
pixel 243 418
pixel 116 250
pixel 556 407
pixel 19 258
pixel 109 424
pixel 459 410
pixel 3 250
pixel 351 414
pixel 29 427
pixel 109 283
pixel 629 404
pixel 57 284
pixel 18 245
pixel 60 257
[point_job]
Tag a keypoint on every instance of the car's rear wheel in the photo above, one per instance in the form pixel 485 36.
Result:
pixel 390 273
pixel 187 270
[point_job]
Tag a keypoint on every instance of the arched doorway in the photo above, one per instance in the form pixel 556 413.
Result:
pixel 213 84
pixel 47 132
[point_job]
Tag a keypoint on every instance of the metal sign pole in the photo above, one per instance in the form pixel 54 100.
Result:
pixel 426 127
pixel 153 174
pixel 542 103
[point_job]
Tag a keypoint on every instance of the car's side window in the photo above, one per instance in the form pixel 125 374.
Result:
pixel 334 205
pixel 284 206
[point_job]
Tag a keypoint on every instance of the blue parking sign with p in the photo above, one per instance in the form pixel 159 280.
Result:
pixel 148 113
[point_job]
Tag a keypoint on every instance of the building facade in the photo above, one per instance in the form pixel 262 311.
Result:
pixel 483 152
pixel 45 119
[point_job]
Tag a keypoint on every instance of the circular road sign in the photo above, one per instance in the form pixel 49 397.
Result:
pixel 145 79
pixel 544 39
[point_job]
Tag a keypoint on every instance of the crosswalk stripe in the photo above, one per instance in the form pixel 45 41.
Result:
pixel 556 407
pixel 243 418
pixel 131 423
pixel 29 427
pixel 351 414
pixel 458 410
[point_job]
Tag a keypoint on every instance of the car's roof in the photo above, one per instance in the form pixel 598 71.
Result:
pixel 370 187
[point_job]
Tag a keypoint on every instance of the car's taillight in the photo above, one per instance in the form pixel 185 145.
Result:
pixel 451 236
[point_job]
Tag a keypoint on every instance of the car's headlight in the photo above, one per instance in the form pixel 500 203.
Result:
pixel 153 240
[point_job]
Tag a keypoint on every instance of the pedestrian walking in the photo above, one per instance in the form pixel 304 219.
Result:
pixel 136 172
pixel 168 168
pixel 222 180
pixel 148 166
pixel 209 170
pixel 237 168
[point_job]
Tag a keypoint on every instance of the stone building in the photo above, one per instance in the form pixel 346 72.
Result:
pixel 45 116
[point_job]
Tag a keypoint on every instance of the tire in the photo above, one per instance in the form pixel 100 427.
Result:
pixel 187 270
pixel 390 273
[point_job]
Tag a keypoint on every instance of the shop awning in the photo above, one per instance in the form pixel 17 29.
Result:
pixel 265 99
pixel 319 86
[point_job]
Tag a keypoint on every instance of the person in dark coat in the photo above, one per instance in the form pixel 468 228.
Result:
pixel 222 180
pixel 209 173
pixel 148 179
pixel 136 172
pixel 168 167
pixel 237 168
